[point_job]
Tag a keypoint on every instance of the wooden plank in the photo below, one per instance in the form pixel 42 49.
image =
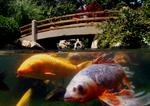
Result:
pixel 63 27
pixel 25 26
pixel 71 15
pixel 77 14
pixel 26 30
pixel 75 20
pixel 67 22
pixel 26 34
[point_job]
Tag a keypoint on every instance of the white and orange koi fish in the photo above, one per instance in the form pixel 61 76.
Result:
pixel 107 82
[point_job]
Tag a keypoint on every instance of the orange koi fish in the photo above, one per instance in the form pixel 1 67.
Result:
pixel 24 101
pixel 121 58
pixel 44 66
pixel 106 81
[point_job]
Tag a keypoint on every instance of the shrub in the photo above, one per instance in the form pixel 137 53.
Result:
pixel 9 30
pixel 130 30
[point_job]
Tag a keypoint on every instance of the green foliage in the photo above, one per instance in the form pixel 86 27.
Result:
pixel 62 8
pixel 25 10
pixel 131 29
pixel 9 30
pixel 109 4
pixel 89 1
pixel 4 7
pixel 146 8
pixel 57 7
pixel 106 4
pixel 46 3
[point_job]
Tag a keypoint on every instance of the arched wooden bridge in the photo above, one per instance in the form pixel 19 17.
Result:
pixel 67 25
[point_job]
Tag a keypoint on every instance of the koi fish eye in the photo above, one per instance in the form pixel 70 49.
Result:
pixel 81 90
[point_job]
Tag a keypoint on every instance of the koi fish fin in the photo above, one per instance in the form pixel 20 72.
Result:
pixel 142 98
pixel 126 92
pixel 46 82
pixel 24 101
pixel 128 83
pixel 83 65
pixel 55 94
pixel 49 73
pixel 109 98
pixel 103 59
pixel 128 72
pixel 136 100
pixel 56 83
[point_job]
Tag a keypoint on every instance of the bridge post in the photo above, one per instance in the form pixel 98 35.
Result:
pixel 34 31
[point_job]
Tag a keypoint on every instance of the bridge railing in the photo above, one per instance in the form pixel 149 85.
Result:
pixel 66 20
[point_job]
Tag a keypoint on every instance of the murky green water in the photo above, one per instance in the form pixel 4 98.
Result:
pixel 138 62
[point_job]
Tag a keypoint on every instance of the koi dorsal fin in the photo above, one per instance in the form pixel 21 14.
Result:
pixel 83 65
pixel 103 59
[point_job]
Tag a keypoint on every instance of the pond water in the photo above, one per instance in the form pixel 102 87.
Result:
pixel 12 87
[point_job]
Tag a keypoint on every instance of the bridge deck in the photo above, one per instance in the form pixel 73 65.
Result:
pixel 67 25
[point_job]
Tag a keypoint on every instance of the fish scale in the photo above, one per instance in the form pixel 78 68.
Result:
pixel 103 74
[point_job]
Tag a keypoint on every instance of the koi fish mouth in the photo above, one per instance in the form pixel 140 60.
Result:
pixel 69 99
pixel 20 73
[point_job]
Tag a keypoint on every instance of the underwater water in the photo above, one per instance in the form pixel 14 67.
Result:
pixel 13 87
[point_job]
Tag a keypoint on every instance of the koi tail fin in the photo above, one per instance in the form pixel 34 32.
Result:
pixel 144 99
pixel 83 65
pixel 136 100
pixel 121 99
pixel 128 83
pixel 128 72
pixel 24 101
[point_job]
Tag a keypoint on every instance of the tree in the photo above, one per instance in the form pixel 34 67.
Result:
pixel 62 7
pixel 4 7
pixel 24 11
pixel 9 31
pixel 146 8
pixel 130 30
